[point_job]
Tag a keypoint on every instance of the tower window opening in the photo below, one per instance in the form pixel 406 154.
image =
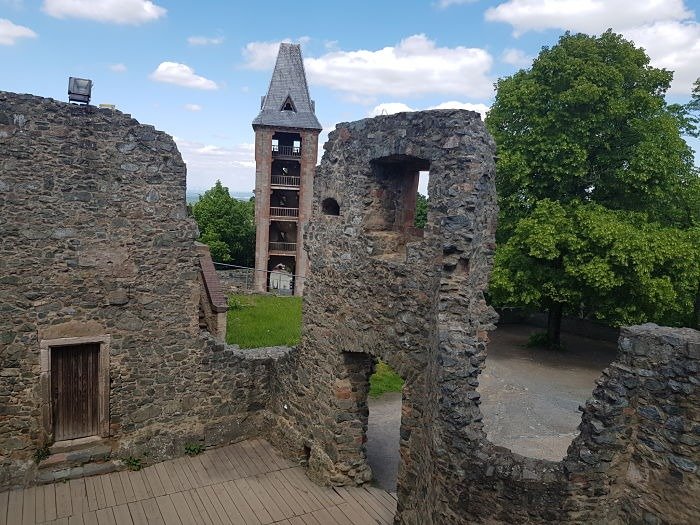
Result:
pixel 288 105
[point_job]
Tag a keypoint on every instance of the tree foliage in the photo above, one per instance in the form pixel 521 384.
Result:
pixel 421 218
pixel 598 194
pixel 227 225
pixel 609 264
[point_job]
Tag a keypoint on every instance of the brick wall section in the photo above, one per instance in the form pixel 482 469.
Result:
pixel 96 241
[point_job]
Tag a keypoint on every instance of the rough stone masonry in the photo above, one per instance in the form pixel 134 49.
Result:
pixel 379 289
pixel 97 247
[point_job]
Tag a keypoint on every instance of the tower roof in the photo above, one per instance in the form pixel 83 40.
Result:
pixel 288 89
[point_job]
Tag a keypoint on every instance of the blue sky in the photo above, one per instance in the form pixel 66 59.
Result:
pixel 196 70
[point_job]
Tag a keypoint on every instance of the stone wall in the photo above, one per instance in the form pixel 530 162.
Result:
pixel 375 285
pixel 377 289
pixel 96 243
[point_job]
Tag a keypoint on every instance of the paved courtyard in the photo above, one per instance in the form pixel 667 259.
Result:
pixel 248 483
pixel 530 399
pixel 530 396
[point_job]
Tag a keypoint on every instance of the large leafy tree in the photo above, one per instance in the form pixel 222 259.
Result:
pixel 227 225
pixel 597 188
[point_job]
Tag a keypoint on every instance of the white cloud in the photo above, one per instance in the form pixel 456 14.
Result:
pixel 389 108
pixel 118 68
pixel 193 107
pixel 234 167
pixel 10 33
pixel 516 57
pixel 132 12
pixel 667 30
pixel 588 16
pixel 444 4
pixel 205 41
pixel 261 56
pixel 182 75
pixel 415 66
pixel 674 46
pixel 482 109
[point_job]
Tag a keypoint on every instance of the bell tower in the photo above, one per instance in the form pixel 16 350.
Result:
pixel 286 149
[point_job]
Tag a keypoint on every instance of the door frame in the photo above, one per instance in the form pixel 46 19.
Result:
pixel 45 347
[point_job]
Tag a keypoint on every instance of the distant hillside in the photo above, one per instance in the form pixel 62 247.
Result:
pixel 192 196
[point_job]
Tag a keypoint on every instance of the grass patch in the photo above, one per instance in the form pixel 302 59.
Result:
pixel 255 321
pixel 384 380
pixel 264 320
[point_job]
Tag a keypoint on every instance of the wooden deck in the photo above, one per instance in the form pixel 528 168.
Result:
pixel 246 483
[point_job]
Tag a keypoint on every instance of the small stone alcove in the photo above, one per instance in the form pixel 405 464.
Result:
pixel 330 206
pixel 391 210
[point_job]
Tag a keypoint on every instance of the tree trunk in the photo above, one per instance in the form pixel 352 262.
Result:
pixel 554 325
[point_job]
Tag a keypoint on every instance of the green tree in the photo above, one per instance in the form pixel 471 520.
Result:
pixel 691 111
pixel 227 225
pixel 591 261
pixel 421 218
pixel 588 151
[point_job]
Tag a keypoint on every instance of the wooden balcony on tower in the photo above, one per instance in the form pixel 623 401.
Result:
pixel 285 181
pixel 291 152
pixel 284 213
pixel 282 248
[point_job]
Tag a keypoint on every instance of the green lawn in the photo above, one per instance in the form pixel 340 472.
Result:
pixel 255 321
pixel 263 320
pixel 384 380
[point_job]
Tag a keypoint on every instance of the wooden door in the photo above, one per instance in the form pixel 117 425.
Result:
pixel 74 385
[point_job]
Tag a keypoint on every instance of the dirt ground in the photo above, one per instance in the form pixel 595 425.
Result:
pixel 530 399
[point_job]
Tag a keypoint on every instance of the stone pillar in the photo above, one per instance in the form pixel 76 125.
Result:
pixel 350 392
pixel 309 143
pixel 263 167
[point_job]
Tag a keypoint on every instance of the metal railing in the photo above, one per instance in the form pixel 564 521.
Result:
pixel 287 151
pixel 283 246
pixel 283 212
pixel 237 278
pixel 286 180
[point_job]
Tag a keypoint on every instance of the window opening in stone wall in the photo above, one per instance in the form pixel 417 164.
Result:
pixel 421 214
pixel 529 395
pixel 330 206
pixel 391 211
pixel 384 425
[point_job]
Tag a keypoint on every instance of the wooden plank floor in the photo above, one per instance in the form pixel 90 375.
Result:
pixel 248 483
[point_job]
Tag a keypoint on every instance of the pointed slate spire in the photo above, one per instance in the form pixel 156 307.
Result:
pixel 288 82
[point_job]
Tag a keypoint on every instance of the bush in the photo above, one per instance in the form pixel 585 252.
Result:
pixel 193 449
